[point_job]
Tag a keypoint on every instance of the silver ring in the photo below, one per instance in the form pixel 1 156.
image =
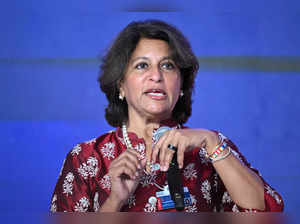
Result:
pixel 172 147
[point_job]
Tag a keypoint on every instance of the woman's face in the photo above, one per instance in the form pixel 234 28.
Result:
pixel 152 81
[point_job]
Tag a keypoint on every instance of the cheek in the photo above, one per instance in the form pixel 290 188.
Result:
pixel 176 83
pixel 133 88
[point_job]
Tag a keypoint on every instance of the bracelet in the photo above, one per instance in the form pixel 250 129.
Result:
pixel 218 145
pixel 219 150
pixel 222 157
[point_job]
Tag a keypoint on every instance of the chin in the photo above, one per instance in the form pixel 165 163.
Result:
pixel 160 114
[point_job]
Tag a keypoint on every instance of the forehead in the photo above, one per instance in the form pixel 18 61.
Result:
pixel 149 47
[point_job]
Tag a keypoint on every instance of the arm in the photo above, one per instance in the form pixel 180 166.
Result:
pixel 244 186
pixel 237 196
pixel 72 191
pixel 124 173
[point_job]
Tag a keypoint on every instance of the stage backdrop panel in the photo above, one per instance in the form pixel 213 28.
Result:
pixel 247 85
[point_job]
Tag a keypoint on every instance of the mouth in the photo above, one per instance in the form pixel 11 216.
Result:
pixel 156 93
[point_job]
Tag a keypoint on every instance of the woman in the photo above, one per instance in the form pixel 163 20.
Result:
pixel 148 76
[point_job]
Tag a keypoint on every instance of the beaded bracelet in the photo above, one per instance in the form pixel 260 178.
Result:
pixel 219 150
pixel 222 157
pixel 219 144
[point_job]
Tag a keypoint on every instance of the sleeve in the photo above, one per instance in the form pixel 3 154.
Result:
pixel 73 188
pixel 273 201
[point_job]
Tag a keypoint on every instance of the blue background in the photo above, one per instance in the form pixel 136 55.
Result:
pixel 247 85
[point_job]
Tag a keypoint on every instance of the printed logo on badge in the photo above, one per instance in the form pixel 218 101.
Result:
pixel 164 200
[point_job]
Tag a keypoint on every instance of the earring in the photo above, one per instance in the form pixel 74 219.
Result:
pixel 181 93
pixel 121 97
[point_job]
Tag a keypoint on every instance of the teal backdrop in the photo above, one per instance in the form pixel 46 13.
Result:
pixel 247 86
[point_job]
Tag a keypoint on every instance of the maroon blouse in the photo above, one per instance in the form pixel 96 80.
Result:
pixel 83 184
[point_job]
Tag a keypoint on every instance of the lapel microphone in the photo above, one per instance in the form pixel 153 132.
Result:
pixel 173 174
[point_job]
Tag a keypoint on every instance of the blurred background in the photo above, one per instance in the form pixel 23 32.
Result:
pixel 247 85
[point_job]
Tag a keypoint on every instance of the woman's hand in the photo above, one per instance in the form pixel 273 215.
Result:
pixel 124 173
pixel 183 139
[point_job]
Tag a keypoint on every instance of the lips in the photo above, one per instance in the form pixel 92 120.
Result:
pixel 156 93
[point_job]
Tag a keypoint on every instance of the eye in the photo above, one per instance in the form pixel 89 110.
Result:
pixel 142 65
pixel 168 66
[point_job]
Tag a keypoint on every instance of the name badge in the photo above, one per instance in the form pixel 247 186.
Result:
pixel 164 200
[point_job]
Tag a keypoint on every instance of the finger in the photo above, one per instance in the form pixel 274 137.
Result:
pixel 116 171
pixel 166 154
pixel 143 162
pixel 168 158
pixel 132 156
pixel 130 165
pixel 121 171
pixel 180 153
pixel 135 158
pixel 124 163
pixel 129 170
pixel 157 147
pixel 161 156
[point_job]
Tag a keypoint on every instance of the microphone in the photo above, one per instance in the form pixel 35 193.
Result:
pixel 173 174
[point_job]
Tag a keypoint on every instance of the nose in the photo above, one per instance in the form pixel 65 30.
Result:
pixel 156 74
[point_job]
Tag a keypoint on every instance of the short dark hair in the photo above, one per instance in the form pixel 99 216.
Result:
pixel 114 63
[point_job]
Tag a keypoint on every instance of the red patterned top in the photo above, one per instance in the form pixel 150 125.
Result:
pixel 83 184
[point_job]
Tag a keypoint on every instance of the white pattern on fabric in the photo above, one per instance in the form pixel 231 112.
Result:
pixel 91 141
pixel 76 150
pixel 82 205
pixel 141 149
pixel 206 188
pixel 53 207
pixel 202 156
pixel 190 171
pixel 105 182
pixel 226 198
pixel 250 210
pixel 271 192
pixel 215 209
pixel 148 179
pixel 68 184
pixel 150 208
pixel 96 202
pixel 131 201
pixel 216 178
pixel 235 208
pixel 121 140
pixel 108 150
pixel 193 206
pixel 90 168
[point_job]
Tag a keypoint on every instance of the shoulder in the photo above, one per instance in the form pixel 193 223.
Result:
pixel 92 149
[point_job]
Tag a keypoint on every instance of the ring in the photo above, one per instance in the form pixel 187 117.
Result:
pixel 172 147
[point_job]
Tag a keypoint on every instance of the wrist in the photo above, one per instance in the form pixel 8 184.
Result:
pixel 213 141
pixel 112 204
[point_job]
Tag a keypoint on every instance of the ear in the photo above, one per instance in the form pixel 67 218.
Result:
pixel 120 87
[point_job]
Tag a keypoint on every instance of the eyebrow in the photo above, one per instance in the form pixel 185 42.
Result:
pixel 145 58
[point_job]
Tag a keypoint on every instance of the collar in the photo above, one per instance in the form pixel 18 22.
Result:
pixel 168 122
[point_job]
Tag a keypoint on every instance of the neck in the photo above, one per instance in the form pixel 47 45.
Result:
pixel 143 127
